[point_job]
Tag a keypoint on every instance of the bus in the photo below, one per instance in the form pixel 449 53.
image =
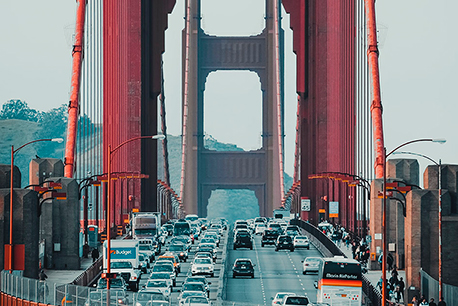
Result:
pixel 340 282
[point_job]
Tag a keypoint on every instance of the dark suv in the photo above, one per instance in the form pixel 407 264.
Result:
pixel 243 266
pixel 284 242
pixel 243 240
pixel 269 237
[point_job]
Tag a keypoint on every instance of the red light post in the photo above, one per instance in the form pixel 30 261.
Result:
pixel 384 240
pixel 110 153
pixel 9 247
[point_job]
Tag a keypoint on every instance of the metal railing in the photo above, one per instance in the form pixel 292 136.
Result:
pixel 372 293
pixel 88 276
pixel 430 288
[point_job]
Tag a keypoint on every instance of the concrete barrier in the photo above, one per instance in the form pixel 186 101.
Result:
pixel 222 278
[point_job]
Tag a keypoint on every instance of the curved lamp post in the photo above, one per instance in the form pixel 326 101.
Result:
pixel 13 151
pixel 108 220
pixel 441 141
pixel 439 178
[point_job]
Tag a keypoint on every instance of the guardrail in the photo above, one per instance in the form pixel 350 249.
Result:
pixel 372 293
pixel 90 274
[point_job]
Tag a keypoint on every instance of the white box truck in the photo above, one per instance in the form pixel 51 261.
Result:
pixel 124 260
pixel 147 225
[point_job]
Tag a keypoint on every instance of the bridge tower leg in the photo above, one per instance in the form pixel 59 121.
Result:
pixel 207 170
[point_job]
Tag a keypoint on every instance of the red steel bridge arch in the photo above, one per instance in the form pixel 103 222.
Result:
pixel 323 41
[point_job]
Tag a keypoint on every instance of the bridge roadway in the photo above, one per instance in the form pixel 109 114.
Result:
pixel 274 272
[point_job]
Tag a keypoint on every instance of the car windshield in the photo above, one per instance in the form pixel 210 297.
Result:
pixel 160 276
pixel 302 237
pixel 114 283
pixel 243 262
pixel 150 296
pixel 203 261
pixel 192 287
pixel 313 260
pixel 195 280
pixel 156 283
pixel 162 268
pixel 196 300
pixel 292 300
pixel 176 248
pixel 243 235
pixel 284 238
pixel 185 294
pixel 145 247
pixel 121 265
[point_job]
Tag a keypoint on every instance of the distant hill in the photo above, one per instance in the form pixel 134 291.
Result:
pixel 233 204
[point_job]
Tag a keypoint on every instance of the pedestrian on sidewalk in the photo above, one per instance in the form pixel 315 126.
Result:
pixel 441 302
pixel 390 261
pixel 402 286
pixel 415 301
pixel 432 303
pixel 42 276
pixel 379 283
pixel 95 254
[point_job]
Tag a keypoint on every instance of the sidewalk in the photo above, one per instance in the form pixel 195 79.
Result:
pixel 67 276
pixel 372 275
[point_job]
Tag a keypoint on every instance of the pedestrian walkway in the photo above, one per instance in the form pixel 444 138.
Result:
pixel 67 276
pixel 372 275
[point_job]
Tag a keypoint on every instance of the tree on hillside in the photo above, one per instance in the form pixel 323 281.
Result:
pixel 53 124
pixel 17 109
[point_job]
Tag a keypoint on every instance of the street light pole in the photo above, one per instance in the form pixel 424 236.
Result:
pixel 10 246
pixel 110 153
pixel 384 240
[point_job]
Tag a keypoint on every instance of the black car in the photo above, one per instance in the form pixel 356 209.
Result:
pixel 243 240
pixel 284 242
pixel 243 267
pixel 181 250
pixel 269 237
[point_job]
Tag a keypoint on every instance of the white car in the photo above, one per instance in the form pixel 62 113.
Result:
pixel 311 264
pixel 158 284
pixel 202 266
pixel 166 268
pixel 301 242
pixel 185 294
pixel 260 228
pixel 196 301
pixel 278 298
pixel 296 300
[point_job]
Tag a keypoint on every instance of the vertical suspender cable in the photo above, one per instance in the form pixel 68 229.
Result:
pixel 278 96
pixel 74 97
pixel 376 106
pixel 185 98
pixel 296 149
pixel 165 151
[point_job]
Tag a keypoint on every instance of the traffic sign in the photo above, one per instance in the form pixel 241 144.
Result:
pixel 305 204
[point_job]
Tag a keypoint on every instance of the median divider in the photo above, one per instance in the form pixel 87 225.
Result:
pixel 222 278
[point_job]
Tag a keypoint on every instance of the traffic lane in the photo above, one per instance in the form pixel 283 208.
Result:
pixel 282 271
pixel 243 289
pixel 186 271
pixel 275 272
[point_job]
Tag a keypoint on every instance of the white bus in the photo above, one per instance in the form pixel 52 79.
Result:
pixel 340 282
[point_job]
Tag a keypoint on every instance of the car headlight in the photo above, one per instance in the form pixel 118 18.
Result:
pixel 138 304
pixel 181 254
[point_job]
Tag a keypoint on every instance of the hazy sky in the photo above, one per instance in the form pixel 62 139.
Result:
pixel 418 61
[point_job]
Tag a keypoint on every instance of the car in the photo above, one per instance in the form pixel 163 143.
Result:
pixel 209 240
pixel 202 266
pixel 278 298
pixel 144 262
pixel 203 254
pixel 311 264
pixel 168 228
pixel 180 250
pixel 115 283
pixel 284 242
pixel 275 227
pixel 158 284
pixel 214 235
pixel 269 237
pixel 169 256
pixel 241 226
pixel 149 298
pixel 243 267
pixel 185 294
pixel 146 247
pixel 196 301
pixel 99 298
pixel 217 226
pixel 162 276
pixel 301 242
pixel 194 286
pixel 199 279
pixel 295 300
pixel 183 239
pixel 168 268
pixel 260 228
pixel 208 247
pixel 243 240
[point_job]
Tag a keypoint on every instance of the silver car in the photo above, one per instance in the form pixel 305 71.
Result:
pixel 311 264
pixel 301 242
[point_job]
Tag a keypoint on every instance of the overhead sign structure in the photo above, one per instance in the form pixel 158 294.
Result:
pixel 333 209
pixel 305 204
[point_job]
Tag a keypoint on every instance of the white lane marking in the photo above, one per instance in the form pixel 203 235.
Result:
pixel 297 274
pixel 260 272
